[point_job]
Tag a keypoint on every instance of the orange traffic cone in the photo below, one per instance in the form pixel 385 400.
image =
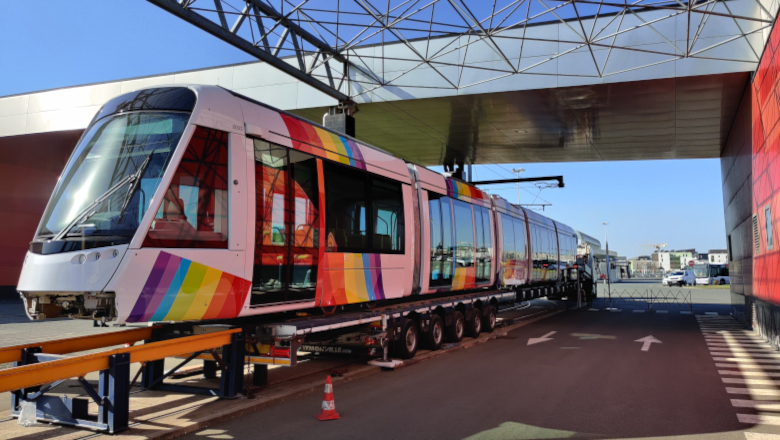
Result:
pixel 328 406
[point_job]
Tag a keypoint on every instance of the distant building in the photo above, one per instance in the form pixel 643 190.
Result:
pixel 718 256
pixel 662 260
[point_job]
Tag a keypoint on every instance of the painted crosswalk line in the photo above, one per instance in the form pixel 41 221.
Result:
pixel 761 436
pixel 734 380
pixel 753 391
pixel 758 405
pixel 759 419
pixel 747 373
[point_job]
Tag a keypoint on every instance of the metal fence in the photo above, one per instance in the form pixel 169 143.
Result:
pixel 649 298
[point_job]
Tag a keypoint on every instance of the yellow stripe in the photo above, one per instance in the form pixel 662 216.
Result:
pixel 330 148
pixel 204 295
pixel 460 279
pixel 360 281
pixel 187 292
pixel 349 279
pixel 340 148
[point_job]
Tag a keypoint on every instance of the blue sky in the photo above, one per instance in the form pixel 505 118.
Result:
pixel 53 44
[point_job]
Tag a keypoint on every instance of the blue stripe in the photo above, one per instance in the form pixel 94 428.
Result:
pixel 367 273
pixel 173 290
pixel 348 149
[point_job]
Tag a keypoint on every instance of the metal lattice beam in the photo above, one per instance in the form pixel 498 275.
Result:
pixel 348 48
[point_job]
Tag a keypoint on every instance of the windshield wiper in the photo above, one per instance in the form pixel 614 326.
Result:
pixel 88 210
pixel 134 186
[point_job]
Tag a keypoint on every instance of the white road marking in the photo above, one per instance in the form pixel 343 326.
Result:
pixel 760 436
pixel 685 312
pixel 759 419
pixel 761 405
pixel 646 341
pixel 753 391
pixel 710 313
pixel 744 354
pixel 545 338
pixel 750 381
pixel 639 311
pixel 747 360
pixel 594 310
pixel 748 373
pixel 738 344
pixel 661 311
pixel 749 366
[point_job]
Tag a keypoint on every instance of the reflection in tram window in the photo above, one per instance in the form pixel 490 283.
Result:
pixel 287 225
pixel 464 234
pixel 194 211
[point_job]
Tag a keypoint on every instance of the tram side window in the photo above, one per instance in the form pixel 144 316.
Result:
pixel 347 201
pixel 488 243
pixel 507 231
pixel 388 215
pixel 481 250
pixel 768 218
pixel 464 234
pixel 520 238
pixel 194 210
pixel 434 211
pixel 447 259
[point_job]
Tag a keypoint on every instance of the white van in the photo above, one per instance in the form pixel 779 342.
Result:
pixel 681 277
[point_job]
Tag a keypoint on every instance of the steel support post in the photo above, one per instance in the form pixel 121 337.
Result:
pixel 260 375
pixel 152 372
pixel 28 357
pixel 231 382
pixel 114 389
pixel 209 369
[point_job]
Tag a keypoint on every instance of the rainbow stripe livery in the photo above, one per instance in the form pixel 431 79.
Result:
pixel 314 140
pixel 352 278
pixel 178 289
pixel 460 190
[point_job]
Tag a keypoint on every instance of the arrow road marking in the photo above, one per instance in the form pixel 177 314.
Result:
pixel 545 338
pixel 646 341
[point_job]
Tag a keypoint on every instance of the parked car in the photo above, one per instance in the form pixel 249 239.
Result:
pixel 683 277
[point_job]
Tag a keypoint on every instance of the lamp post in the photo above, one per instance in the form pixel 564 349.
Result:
pixel 518 171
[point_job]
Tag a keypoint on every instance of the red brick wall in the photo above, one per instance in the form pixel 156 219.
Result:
pixel 29 168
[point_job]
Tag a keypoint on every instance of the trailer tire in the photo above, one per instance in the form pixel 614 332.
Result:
pixel 474 326
pixel 456 329
pixel 489 320
pixel 434 337
pixel 406 345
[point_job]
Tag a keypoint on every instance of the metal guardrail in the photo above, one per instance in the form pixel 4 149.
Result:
pixel 650 297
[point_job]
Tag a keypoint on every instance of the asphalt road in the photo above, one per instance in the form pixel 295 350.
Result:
pixel 700 299
pixel 591 380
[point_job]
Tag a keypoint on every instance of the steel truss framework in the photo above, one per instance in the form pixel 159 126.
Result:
pixel 347 48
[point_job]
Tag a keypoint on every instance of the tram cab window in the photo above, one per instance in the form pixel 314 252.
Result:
pixel 194 210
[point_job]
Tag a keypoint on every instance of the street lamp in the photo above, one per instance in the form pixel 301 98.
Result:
pixel 518 171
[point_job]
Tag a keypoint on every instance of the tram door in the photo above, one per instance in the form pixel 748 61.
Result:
pixel 286 225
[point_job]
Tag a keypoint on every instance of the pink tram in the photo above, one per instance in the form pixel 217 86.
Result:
pixel 195 203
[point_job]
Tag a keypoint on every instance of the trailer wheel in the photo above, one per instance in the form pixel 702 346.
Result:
pixel 457 328
pixel 435 335
pixel 406 346
pixel 474 326
pixel 489 320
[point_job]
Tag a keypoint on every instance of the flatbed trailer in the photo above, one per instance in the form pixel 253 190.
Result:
pixel 393 330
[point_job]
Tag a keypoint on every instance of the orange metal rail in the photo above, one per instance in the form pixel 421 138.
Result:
pixel 82 343
pixel 45 372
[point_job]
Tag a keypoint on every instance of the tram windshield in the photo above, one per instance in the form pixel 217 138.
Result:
pixel 106 187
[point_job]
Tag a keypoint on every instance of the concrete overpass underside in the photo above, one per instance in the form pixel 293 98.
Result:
pixel 668 118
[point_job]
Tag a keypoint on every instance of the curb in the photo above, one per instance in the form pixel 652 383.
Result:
pixel 259 403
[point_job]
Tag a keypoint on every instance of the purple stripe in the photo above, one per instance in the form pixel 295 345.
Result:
pixel 149 288
pixel 162 287
pixel 376 262
pixel 357 154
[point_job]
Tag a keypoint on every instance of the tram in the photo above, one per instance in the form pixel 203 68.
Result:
pixel 195 203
